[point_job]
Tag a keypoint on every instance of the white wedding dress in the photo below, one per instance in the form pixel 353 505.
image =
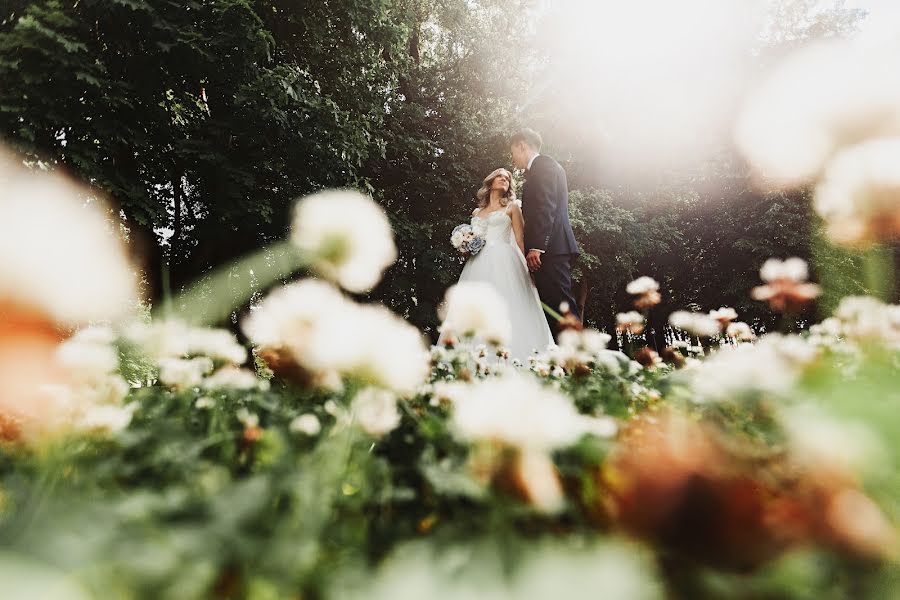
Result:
pixel 501 264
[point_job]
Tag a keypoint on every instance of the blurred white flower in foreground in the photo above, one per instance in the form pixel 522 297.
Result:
pixel 578 348
pixel 613 570
pixel 823 98
pixel 328 336
pixel 697 324
pixel 859 197
pixel 170 338
pixel 864 319
pixel 376 411
pixel 771 366
pixel 346 235
pixel 59 251
pixel 477 310
pixel 518 411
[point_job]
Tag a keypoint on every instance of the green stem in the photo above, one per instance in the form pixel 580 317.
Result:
pixel 213 298
pixel 878 272
pixel 551 312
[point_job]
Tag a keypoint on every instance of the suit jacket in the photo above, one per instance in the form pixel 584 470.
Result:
pixel 545 207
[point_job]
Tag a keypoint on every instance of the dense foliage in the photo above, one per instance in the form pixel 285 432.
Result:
pixel 203 120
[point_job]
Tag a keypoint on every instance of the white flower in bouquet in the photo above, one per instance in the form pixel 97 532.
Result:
pixel 307 424
pixel 60 253
pixel 695 323
pixel 234 378
pixel 184 373
pixel 376 411
pixel 476 309
pixel 518 411
pixel 347 236
pixel 859 197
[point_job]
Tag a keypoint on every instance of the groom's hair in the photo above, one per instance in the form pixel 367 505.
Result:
pixel 531 138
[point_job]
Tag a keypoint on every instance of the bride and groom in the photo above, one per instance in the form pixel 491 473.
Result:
pixel 529 248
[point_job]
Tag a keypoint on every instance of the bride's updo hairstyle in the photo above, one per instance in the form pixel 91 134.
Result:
pixel 484 194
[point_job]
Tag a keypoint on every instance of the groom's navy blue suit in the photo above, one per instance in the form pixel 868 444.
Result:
pixel 545 207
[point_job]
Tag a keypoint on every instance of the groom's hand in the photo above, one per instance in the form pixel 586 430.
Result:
pixel 534 260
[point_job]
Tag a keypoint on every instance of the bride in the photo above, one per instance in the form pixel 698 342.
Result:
pixel 501 263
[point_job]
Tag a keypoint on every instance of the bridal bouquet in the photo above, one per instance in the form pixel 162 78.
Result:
pixel 467 240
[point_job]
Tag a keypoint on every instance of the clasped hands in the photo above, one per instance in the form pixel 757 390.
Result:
pixel 533 259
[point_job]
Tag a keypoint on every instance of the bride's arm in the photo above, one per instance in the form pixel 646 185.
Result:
pixel 518 225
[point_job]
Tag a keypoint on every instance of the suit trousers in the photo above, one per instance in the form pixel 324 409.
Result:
pixel 554 285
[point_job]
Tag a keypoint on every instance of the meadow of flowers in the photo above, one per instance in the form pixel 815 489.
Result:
pixel 329 452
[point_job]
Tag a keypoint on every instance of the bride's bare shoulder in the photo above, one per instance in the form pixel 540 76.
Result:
pixel 514 207
pixel 475 212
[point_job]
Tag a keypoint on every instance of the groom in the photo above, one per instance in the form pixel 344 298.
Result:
pixel 549 241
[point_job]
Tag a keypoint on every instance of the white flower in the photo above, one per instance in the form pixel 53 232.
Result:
pixel 631 322
pixel 184 373
pixel 204 403
pixel 771 366
pixel 59 251
pixel 376 411
pixel 171 338
pixel 476 309
pixel 859 197
pixel 642 285
pixel 347 236
pixel 106 417
pixel 307 424
pixel 234 378
pixel 89 354
pixel 695 323
pixel 247 418
pixel 327 334
pixel 518 411
pixel 603 427
pixel 456 239
pixel 791 269
pixel 740 330
pixel 723 315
